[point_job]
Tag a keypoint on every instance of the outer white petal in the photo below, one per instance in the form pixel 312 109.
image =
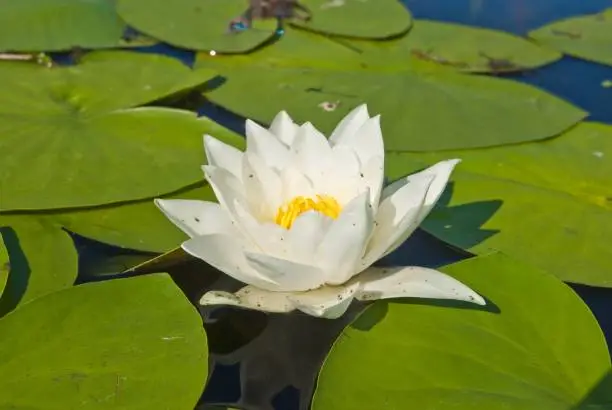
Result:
pixel 262 186
pixel 397 218
pixel 413 281
pixel 329 302
pixel 311 153
pixel 289 276
pixel 266 145
pixel 196 217
pixel 284 128
pixel 350 124
pixel 251 297
pixel 326 302
pixel 440 173
pixel 226 253
pixel 343 246
pixel 222 155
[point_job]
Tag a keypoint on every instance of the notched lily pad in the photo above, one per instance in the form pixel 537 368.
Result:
pixel 105 345
pixel 588 37
pixel 438 355
pixel 196 24
pixel 557 190
pixel 469 49
pixel 57 25
pixel 374 19
pixel 86 144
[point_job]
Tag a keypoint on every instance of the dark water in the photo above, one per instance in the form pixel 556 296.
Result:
pixel 269 375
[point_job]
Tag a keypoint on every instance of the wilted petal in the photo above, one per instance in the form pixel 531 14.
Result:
pixel 413 281
pixel 345 240
pixel 251 297
pixel 266 145
pixel 329 302
pixel 288 276
pixel 226 253
pixel 397 218
pixel 284 128
pixel 222 155
pixel 196 217
pixel 349 124
pixel 440 173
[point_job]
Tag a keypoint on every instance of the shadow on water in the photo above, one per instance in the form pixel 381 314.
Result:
pixel 19 271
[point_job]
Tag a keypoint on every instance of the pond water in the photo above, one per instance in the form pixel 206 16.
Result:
pixel 575 80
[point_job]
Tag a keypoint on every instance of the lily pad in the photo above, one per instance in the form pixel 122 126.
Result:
pixel 196 24
pixel 57 25
pixel 588 37
pixel 139 225
pixel 557 191
pixel 375 19
pixel 39 258
pixel 423 107
pixel 465 48
pixel 127 343
pixel 520 355
pixel 72 131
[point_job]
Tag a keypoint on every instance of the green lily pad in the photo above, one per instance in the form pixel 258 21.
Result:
pixel 73 131
pixel 138 225
pixel 557 191
pixel 39 257
pixel 56 25
pixel 588 37
pixel 196 24
pixel 423 108
pixel 128 343
pixel 375 19
pixel 465 48
pixel 520 355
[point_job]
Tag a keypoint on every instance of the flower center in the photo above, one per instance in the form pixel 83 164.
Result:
pixel 288 213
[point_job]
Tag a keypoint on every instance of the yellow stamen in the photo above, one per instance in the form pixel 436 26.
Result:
pixel 289 212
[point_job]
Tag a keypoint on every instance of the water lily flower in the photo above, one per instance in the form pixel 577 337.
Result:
pixel 302 218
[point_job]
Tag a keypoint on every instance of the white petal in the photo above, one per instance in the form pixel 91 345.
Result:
pixel 262 186
pixel 284 128
pixel 251 297
pixel 413 281
pixel 342 178
pixel 222 155
pixel 440 173
pixel 344 244
pixel 311 153
pixel 266 145
pixel 295 183
pixel 350 124
pixel 228 190
pixel 329 302
pixel 367 141
pixel 196 217
pixel 306 234
pixel 226 253
pixel 289 276
pixel 397 218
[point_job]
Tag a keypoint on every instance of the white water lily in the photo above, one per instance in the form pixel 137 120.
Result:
pixel 301 219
